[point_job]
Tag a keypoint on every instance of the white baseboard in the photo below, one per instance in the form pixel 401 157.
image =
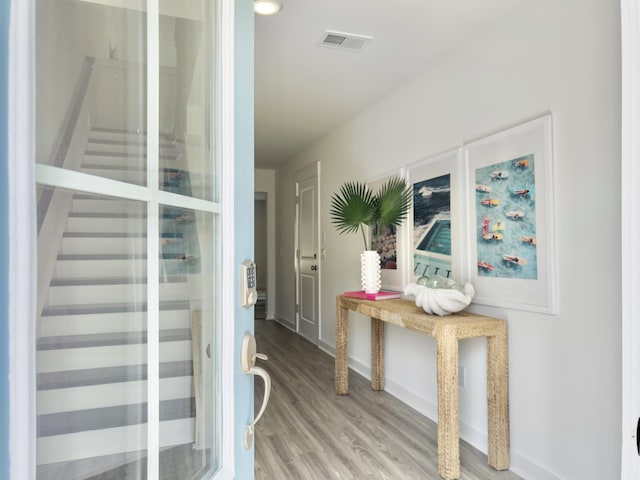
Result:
pixel 326 348
pixel 524 467
pixel 285 322
pixel 520 464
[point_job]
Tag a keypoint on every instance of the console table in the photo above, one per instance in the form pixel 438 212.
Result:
pixel 447 331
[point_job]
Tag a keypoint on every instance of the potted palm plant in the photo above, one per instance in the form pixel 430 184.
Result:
pixel 356 206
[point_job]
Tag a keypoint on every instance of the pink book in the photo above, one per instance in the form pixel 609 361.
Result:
pixel 381 295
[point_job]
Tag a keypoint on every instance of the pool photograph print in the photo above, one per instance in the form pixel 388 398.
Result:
pixel 435 227
pixel 510 217
pixel 432 226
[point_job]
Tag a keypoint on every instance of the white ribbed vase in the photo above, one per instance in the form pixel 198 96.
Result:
pixel 370 271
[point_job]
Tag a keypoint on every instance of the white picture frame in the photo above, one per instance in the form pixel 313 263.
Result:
pixel 511 228
pixel 430 178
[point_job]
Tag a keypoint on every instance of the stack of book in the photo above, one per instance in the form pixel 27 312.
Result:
pixel 381 295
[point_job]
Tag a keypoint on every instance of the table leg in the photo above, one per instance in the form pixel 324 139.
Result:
pixel 498 398
pixel 377 354
pixel 448 434
pixel 342 350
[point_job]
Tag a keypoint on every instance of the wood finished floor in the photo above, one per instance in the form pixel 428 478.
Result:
pixel 309 433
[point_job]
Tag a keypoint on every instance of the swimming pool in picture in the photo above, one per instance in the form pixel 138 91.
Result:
pixel 432 254
pixel 437 238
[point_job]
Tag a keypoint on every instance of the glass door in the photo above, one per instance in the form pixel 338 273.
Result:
pixel 128 348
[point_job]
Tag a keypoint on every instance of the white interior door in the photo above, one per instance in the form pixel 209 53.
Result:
pixel 130 359
pixel 308 254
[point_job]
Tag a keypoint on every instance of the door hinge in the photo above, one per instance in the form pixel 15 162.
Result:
pixel 638 436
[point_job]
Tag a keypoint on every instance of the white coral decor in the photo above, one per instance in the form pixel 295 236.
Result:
pixel 440 301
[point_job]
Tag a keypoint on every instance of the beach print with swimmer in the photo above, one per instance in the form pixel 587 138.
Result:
pixel 505 220
pixel 432 227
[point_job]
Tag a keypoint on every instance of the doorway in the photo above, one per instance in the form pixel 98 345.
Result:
pixel 261 254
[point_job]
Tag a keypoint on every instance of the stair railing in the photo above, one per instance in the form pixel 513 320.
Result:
pixel 74 134
pixel 54 205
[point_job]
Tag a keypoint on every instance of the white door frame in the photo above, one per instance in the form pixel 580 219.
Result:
pixel 23 235
pixel 22 244
pixel 630 208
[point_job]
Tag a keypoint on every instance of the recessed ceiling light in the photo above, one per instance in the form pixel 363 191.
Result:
pixel 266 7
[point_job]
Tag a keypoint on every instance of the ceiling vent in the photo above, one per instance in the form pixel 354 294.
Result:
pixel 344 41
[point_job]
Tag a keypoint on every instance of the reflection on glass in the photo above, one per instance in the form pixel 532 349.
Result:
pixel 91 88
pixel 186 80
pixel 187 350
pixel 91 345
pixel 91 108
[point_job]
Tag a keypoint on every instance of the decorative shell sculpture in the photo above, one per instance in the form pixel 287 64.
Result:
pixel 441 301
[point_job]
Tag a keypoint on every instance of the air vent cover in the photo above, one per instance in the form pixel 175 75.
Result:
pixel 344 41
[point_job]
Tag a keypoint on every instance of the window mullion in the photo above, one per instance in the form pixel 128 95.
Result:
pixel 153 234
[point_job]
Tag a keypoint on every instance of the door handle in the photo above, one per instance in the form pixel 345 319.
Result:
pixel 314 268
pixel 248 361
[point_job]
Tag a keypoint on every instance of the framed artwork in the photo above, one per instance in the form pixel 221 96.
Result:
pixel 510 223
pixel 389 243
pixel 435 230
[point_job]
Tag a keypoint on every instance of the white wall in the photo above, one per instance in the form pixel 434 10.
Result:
pixel 265 182
pixel 565 383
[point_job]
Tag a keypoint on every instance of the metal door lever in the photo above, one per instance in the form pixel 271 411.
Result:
pixel 248 360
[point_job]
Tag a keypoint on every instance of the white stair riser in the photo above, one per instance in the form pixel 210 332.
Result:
pixel 103 245
pixel 127 137
pixel 102 225
pixel 110 395
pixel 100 268
pixel 109 159
pixel 132 245
pixel 88 324
pixel 106 224
pixel 86 205
pixel 130 148
pixel 111 356
pixel 99 294
pixel 95 443
pixel 137 176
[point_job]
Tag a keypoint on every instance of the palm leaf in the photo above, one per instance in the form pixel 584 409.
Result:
pixel 392 203
pixel 355 206
pixel 352 207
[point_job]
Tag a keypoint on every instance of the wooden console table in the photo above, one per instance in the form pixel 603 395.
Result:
pixel 447 331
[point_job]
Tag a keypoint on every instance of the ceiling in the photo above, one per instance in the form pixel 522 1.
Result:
pixel 303 91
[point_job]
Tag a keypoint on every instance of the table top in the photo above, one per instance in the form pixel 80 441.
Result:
pixel 405 313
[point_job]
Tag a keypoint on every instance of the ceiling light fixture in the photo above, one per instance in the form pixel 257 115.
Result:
pixel 266 7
